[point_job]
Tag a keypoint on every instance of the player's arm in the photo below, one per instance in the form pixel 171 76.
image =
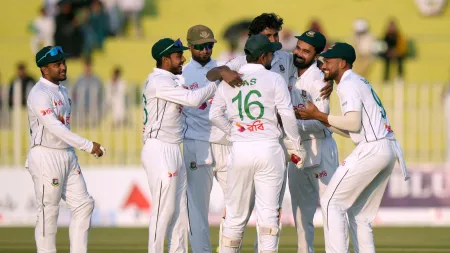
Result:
pixel 165 89
pixel 343 133
pixel 283 105
pixel 228 72
pixel 41 105
pixel 322 105
pixel 351 106
pixel 217 112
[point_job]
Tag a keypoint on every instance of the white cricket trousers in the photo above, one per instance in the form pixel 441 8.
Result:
pixel 166 175
pixel 356 190
pixel 199 185
pixel 306 187
pixel 255 175
pixel 56 175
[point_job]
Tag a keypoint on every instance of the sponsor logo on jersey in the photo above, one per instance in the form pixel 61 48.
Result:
pixel 240 127
pixel 193 165
pixel 55 182
pixel 282 69
pixel 255 126
pixel 193 86
pixel 321 174
pixel 46 111
pixel 174 174
pixel 61 118
pixel 388 128
pixel 58 102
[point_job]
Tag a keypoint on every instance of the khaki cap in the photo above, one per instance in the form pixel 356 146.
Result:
pixel 200 34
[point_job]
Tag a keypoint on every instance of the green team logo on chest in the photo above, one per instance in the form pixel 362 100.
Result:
pixel 193 165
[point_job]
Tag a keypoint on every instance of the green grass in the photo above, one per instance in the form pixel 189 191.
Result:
pixel 134 240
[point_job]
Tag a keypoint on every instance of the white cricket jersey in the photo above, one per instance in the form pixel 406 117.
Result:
pixel 356 94
pixel 49 110
pixel 282 63
pixel 196 119
pixel 252 108
pixel 163 98
pixel 307 87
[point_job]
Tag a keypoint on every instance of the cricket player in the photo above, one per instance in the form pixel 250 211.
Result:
pixel 358 185
pixel 205 147
pixel 269 25
pixel 164 96
pixel 257 161
pixel 307 185
pixel 52 161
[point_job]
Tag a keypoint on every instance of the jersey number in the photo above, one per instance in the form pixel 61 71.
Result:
pixel 145 110
pixel 378 101
pixel 247 105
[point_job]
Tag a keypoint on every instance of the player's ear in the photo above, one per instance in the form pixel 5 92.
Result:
pixel 342 64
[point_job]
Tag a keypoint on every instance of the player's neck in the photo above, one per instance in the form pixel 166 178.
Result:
pixel 339 77
pixel 301 71
pixel 56 82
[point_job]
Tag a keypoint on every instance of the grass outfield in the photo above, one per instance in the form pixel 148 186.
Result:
pixel 134 240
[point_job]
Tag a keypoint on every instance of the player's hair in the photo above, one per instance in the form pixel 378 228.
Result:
pixel 263 21
pixel 251 59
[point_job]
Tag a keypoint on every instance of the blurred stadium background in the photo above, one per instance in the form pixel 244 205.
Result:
pixel 416 105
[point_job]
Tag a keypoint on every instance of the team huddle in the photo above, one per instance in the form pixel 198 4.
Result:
pixel 255 124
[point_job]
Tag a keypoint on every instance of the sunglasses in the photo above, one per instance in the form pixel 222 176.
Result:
pixel 176 44
pixel 201 47
pixel 54 51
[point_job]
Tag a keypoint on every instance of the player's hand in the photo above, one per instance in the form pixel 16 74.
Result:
pixel 297 113
pixel 309 111
pixel 326 91
pixel 97 150
pixel 298 157
pixel 231 77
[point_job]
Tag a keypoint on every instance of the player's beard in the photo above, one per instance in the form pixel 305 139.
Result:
pixel 268 65
pixel 202 59
pixel 329 75
pixel 301 62
pixel 177 69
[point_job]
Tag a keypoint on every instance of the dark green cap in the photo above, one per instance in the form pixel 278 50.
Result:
pixel 341 50
pixel 315 39
pixel 50 54
pixel 259 44
pixel 200 34
pixel 167 46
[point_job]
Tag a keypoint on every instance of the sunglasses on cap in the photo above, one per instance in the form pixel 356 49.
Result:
pixel 201 47
pixel 54 51
pixel 176 44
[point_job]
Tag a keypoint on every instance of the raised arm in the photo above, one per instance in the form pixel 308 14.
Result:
pixel 177 94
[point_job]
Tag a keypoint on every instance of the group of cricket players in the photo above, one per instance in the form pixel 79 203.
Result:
pixel 255 124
